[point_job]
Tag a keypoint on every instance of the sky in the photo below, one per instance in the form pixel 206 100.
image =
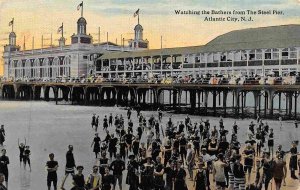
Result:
pixel 158 18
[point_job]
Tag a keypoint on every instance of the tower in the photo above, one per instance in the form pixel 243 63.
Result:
pixel 8 49
pixel 138 41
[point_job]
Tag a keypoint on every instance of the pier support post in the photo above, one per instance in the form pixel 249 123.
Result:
pixel 224 102
pixel 270 101
pixel 214 102
pixel 295 105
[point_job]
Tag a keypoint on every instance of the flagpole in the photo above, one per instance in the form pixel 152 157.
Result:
pixel 99 36
pixel 32 43
pixel 24 44
pixel 51 40
pixel 12 28
pixel 82 9
pixel 138 18
pixel 62 30
pixel 160 42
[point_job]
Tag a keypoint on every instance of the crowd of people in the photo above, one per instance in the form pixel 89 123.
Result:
pixel 182 155
pixel 167 157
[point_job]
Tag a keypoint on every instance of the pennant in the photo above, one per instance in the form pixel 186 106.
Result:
pixel 137 12
pixel 11 22
pixel 60 29
pixel 80 5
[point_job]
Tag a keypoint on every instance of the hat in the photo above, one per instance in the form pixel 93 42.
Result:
pixel 79 167
pixel 220 156
pixel 131 156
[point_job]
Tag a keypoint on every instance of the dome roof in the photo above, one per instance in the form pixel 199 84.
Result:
pixel 138 27
pixel 81 20
pixel 12 34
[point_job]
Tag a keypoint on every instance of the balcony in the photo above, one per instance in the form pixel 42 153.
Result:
pixel 271 62
pixel 255 63
pixel 225 64
pixel 289 62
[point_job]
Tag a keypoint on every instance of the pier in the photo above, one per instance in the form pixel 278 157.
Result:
pixel 267 101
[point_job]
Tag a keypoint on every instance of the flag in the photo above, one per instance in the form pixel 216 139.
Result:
pixel 60 29
pixel 137 12
pixel 80 5
pixel 11 22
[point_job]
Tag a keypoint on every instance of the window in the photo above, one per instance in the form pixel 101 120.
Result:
pixel 85 57
pixel 268 55
pixel 285 53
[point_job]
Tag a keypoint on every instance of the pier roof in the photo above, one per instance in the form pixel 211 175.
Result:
pixel 246 39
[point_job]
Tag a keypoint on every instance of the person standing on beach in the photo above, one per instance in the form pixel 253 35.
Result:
pixel 26 158
pixel 51 167
pixel 70 164
pixel 22 149
pixel 93 120
pixel 110 120
pixel 279 171
pixel 96 143
pixel 118 166
pixel 2 135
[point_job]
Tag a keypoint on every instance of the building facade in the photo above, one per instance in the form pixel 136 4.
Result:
pixel 274 49
pixel 75 60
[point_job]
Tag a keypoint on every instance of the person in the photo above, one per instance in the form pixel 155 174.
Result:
pixel 97 123
pixel 93 181
pixel 51 167
pixel 2 135
pixel 93 120
pixel 213 147
pixel 279 171
pixel 158 175
pixel 132 178
pixel 129 113
pixel 219 172
pixel 70 165
pixel 280 122
pixel 170 173
pixel 26 158
pixel 200 182
pixel 110 120
pixel 182 146
pixel 103 161
pixel 112 149
pixel 107 180
pixel 2 187
pixel 4 161
pixel 293 160
pixel 239 174
pixel 271 142
pixel 147 174
pixel 160 115
pixel 117 166
pixel 78 179
pixel 180 175
pixel 21 149
pixel 190 160
pixel 248 154
pixel 96 143
pixel 136 145
pixel 105 123
pixel 267 164
pixel 167 152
